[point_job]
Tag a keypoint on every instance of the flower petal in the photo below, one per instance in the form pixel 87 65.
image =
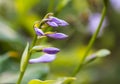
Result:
pixel 52 24
pixel 63 23
pixel 51 50
pixel 39 32
pixel 43 59
pixel 58 21
pixel 54 19
pixel 57 35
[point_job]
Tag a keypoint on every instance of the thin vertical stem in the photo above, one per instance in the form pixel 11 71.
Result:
pixel 34 41
pixel 91 42
pixel 20 77
pixel 29 54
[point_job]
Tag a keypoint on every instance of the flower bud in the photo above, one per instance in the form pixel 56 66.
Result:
pixel 39 32
pixel 51 50
pixel 57 35
pixel 43 59
pixel 52 24
pixel 55 22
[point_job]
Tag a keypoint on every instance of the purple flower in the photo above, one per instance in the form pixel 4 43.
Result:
pixel 43 59
pixel 57 35
pixel 51 50
pixel 48 57
pixel 39 32
pixel 94 20
pixel 115 4
pixel 52 24
pixel 55 22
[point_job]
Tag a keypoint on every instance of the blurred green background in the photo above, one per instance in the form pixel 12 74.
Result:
pixel 16 28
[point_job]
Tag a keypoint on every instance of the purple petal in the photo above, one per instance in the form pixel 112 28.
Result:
pixel 52 24
pixel 58 21
pixel 43 59
pixel 57 35
pixel 39 32
pixel 51 50
pixel 54 19
pixel 63 23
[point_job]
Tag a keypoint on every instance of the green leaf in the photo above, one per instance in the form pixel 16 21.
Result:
pixel 90 58
pixel 36 81
pixel 24 58
pixel 58 81
pixel 103 53
pixel 64 80
pixel 98 54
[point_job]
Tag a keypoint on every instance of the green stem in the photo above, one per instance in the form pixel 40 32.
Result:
pixel 91 42
pixel 29 54
pixel 20 77
pixel 34 41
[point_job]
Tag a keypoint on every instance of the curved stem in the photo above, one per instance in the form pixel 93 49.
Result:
pixel 91 42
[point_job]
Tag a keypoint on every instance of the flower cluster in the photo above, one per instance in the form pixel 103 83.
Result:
pixel 50 52
pixel 55 22
pixel 53 35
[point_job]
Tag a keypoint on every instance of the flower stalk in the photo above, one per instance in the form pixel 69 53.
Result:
pixel 90 43
pixel 50 52
pixel 29 54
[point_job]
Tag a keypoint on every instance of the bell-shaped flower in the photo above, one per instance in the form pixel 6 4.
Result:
pixel 51 50
pixel 39 32
pixel 43 59
pixel 55 22
pixel 57 35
